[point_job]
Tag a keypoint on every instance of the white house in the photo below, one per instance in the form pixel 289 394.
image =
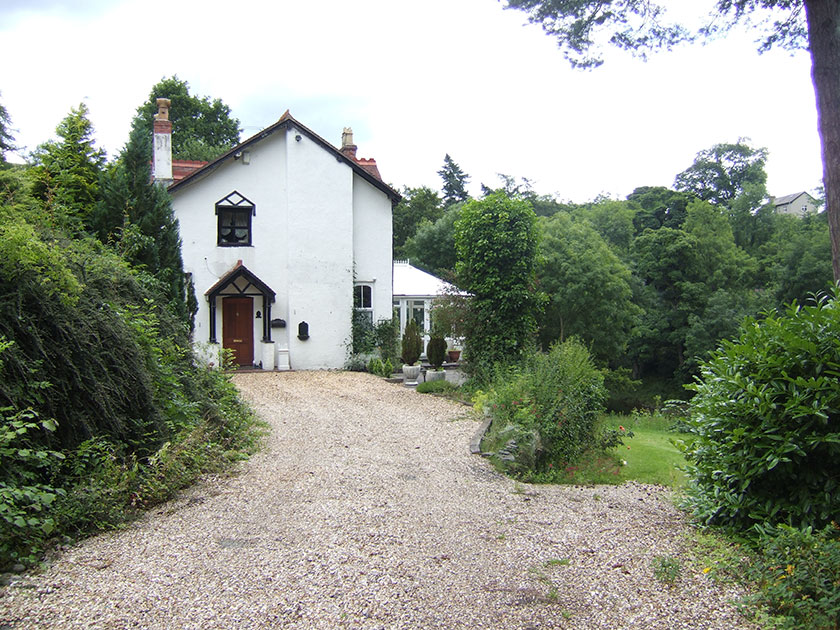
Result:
pixel 279 235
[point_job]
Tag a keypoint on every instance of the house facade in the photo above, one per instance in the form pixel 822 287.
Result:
pixel 282 237
pixel 798 204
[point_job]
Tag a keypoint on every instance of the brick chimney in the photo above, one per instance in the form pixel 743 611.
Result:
pixel 162 160
pixel 347 147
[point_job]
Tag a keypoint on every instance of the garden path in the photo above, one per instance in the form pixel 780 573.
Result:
pixel 366 510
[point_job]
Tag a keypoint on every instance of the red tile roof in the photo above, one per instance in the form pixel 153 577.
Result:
pixel 182 168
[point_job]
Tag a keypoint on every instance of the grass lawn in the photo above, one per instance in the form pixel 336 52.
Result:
pixel 651 458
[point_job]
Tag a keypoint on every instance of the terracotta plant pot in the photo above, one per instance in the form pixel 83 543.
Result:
pixel 454 355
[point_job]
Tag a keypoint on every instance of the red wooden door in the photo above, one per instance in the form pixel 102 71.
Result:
pixel 238 328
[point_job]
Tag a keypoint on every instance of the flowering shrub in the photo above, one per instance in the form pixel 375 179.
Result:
pixel 545 411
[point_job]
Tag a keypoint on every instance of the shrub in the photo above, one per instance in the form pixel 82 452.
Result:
pixel 799 578
pixel 545 412
pixel 436 387
pixel 766 447
pixel 436 350
pixel 412 344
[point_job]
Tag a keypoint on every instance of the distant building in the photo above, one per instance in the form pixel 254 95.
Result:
pixel 798 204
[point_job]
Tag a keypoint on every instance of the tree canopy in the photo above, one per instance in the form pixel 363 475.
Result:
pixel 583 27
pixel 202 129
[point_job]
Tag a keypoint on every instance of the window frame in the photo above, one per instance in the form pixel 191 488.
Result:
pixel 237 209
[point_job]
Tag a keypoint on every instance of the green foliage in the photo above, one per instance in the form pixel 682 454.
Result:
pixel 766 448
pixel 496 241
pixel 202 129
pixel 798 575
pixel 666 569
pixel 412 343
pixel 657 207
pixel 380 368
pixel 6 139
pixel 724 172
pixel 588 288
pixel 545 411
pixel 362 331
pixel 418 206
pixel 385 334
pixel 437 387
pixel 454 182
pixel 136 216
pixel 433 246
pixel 436 350
pixel 25 498
pixel 67 172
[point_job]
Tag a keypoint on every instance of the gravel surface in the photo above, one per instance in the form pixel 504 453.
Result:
pixel 366 510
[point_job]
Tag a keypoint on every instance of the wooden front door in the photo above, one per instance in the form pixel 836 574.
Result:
pixel 238 328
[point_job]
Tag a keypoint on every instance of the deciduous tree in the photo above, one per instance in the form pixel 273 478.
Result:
pixel 581 26
pixel 202 129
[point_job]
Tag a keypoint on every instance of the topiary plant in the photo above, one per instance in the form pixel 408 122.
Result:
pixel 436 350
pixel 412 344
pixel 766 438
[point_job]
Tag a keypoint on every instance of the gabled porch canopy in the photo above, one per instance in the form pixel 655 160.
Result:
pixel 240 281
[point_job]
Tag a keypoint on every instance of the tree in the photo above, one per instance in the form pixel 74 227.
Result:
pixel 454 182
pixel 136 215
pixel 637 25
pixel 418 205
pixel 723 173
pixel 433 247
pixel 496 241
pixel 656 207
pixel 202 129
pixel 67 171
pixel 588 289
pixel 6 139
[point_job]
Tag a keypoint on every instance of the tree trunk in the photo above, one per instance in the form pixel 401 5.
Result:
pixel 824 41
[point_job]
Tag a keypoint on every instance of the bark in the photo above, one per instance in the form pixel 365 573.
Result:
pixel 824 41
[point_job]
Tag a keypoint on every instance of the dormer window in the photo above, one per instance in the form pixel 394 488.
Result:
pixel 234 214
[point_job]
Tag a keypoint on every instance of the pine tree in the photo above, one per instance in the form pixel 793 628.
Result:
pixel 136 216
pixel 6 139
pixel 67 170
pixel 454 182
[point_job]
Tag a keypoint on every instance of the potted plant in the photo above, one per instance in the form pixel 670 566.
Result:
pixel 412 346
pixel 436 352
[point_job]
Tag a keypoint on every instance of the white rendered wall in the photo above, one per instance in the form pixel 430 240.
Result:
pixel 320 254
pixel 303 240
pixel 373 245
pixel 262 181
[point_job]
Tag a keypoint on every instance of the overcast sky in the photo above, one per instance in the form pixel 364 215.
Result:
pixel 415 80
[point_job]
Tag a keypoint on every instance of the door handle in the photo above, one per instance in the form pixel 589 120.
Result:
pixel 237 341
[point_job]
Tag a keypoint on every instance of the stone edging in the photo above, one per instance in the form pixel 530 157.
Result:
pixel 475 442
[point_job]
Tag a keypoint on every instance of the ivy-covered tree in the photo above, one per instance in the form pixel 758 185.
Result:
pixel 202 129
pixel 67 170
pixel 496 240
pixel 580 26
pixel 454 182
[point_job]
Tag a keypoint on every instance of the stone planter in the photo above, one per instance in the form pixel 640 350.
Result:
pixel 435 375
pixel 411 372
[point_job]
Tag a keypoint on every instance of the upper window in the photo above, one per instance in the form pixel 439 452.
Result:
pixel 234 214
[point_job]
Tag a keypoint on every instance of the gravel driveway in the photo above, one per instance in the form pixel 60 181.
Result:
pixel 366 510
